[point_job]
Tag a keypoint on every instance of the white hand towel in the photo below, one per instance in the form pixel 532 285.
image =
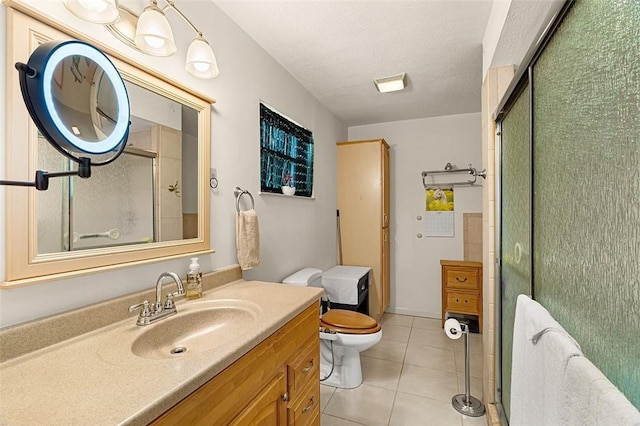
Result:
pixel 248 239
pixel 541 351
pixel 592 400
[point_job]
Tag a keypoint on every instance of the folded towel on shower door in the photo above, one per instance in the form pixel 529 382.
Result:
pixel 592 400
pixel 247 239
pixel 541 351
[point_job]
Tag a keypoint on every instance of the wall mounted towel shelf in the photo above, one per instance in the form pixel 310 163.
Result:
pixel 449 169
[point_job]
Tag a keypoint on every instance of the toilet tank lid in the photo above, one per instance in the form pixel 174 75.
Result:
pixel 303 277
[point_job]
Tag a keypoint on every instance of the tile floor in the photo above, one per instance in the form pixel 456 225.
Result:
pixel 409 379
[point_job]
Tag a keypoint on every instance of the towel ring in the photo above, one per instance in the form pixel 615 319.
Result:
pixel 239 193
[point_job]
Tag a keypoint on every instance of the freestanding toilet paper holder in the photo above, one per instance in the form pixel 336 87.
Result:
pixel 464 403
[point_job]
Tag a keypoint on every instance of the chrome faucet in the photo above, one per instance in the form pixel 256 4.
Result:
pixel 152 312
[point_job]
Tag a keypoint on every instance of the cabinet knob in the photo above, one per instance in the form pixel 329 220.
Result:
pixel 285 396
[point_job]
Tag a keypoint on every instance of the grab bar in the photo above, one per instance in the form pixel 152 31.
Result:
pixel 112 234
pixel 450 170
pixel 238 192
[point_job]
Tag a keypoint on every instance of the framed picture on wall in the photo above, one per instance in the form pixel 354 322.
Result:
pixel 286 155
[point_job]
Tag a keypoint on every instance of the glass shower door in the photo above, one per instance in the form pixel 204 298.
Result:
pixel 515 228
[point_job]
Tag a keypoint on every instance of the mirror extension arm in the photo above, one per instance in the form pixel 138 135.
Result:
pixel 41 182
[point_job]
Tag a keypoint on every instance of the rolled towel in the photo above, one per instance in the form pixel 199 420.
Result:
pixel 592 400
pixel 541 351
pixel 248 239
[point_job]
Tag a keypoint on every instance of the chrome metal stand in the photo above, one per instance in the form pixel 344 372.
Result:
pixel 465 403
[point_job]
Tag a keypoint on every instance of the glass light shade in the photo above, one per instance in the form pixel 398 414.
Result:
pixel 201 62
pixel 153 33
pixel 96 11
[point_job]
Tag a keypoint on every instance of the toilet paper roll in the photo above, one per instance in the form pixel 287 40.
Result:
pixel 452 328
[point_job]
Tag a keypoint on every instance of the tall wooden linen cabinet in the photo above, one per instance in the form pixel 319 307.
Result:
pixel 363 203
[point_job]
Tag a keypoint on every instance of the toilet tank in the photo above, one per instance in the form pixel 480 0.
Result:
pixel 308 277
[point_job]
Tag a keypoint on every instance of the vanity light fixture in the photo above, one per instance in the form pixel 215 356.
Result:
pixel 154 35
pixel 96 11
pixel 390 84
pixel 149 32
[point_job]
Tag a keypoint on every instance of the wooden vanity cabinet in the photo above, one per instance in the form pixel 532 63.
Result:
pixel 276 383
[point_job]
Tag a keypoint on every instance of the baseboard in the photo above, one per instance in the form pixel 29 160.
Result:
pixel 415 313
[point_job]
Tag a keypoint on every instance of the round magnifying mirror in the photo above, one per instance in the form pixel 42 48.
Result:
pixel 77 99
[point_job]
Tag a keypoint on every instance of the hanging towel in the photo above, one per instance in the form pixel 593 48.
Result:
pixel 541 351
pixel 592 400
pixel 248 239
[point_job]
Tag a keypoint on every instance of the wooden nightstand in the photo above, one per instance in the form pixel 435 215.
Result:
pixel 462 288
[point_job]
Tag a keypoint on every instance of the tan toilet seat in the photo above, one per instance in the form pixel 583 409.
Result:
pixel 349 322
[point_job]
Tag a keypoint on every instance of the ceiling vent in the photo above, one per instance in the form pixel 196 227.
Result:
pixel 390 84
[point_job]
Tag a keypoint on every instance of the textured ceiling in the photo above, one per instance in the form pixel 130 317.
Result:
pixel 335 48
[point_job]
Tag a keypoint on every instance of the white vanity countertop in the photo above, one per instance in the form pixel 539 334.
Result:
pixel 95 379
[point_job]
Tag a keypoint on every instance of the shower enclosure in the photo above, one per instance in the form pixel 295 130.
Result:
pixel 114 207
pixel 569 189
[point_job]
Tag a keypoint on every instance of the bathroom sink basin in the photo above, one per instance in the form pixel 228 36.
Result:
pixel 196 328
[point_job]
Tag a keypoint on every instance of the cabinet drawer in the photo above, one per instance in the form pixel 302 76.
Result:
pixel 304 369
pixel 305 410
pixel 462 278
pixel 462 302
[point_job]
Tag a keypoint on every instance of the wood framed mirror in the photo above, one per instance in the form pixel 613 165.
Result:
pixel 150 204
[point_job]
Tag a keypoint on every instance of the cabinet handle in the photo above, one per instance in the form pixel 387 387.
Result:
pixel 285 396
pixel 308 367
pixel 457 300
pixel 308 407
pixel 461 281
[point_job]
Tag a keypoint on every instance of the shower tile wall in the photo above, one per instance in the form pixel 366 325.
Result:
pixel 472 228
pixel 495 85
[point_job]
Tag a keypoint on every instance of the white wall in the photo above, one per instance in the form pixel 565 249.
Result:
pixel 513 26
pixel 417 145
pixel 294 232
pixel 497 18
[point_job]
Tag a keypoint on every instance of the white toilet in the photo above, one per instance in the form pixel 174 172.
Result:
pixel 344 334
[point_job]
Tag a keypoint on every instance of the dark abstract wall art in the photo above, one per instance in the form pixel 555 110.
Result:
pixel 286 155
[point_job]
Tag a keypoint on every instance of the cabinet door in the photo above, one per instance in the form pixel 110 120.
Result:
pixel 386 269
pixel 385 186
pixel 268 408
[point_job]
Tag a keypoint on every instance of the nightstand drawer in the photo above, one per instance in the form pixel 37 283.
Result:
pixel 462 278
pixel 462 303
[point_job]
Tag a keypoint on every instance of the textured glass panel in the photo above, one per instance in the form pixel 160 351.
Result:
pixel 515 222
pixel 587 184
pixel 53 204
pixel 115 206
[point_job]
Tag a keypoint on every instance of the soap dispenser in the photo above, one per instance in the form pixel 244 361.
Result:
pixel 194 280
